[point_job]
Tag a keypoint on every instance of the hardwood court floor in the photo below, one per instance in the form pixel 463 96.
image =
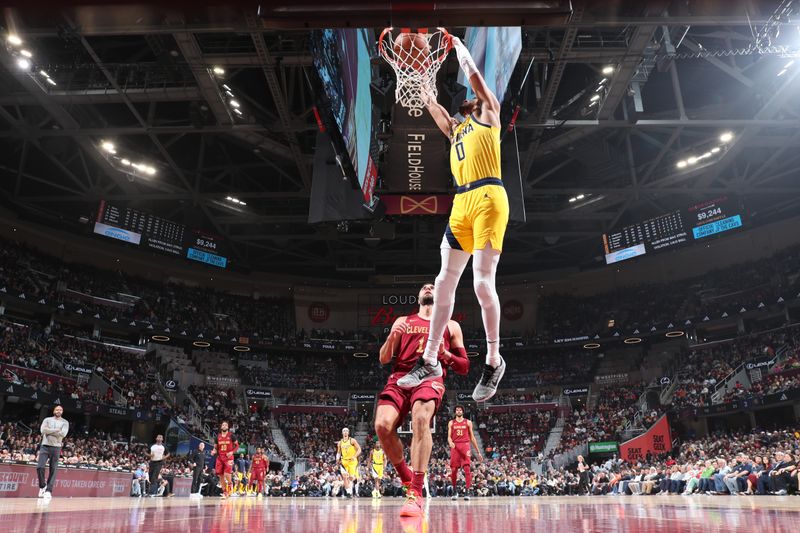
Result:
pixel 316 515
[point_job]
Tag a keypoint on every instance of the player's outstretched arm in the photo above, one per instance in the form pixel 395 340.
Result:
pixel 488 100
pixel 456 357
pixel 392 343
pixel 440 115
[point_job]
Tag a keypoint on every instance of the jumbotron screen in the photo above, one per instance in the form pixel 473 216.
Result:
pixel 158 234
pixel 704 219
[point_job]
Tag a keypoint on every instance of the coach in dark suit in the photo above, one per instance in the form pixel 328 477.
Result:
pixel 198 462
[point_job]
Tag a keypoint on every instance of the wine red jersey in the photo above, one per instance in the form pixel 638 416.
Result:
pixel 260 462
pixel 412 343
pixel 459 431
pixel 226 446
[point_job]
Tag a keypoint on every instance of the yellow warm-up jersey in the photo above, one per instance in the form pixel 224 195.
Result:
pixel 474 152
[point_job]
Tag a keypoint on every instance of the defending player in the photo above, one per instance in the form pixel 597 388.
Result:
pixel 347 452
pixel 476 227
pixel 224 450
pixel 404 346
pixel 258 471
pixel 459 437
pixel 376 467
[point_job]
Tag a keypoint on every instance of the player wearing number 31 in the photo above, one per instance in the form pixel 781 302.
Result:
pixel 476 227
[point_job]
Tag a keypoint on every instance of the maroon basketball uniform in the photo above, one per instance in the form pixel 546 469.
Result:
pixel 226 447
pixel 459 434
pixel 412 345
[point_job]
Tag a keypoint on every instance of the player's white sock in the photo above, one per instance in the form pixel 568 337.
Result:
pixel 444 295
pixel 484 270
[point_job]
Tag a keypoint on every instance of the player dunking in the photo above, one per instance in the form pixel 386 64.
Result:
pixel 224 450
pixel 404 345
pixel 377 461
pixel 347 452
pixel 476 227
pixel 258 470
pixel 459 437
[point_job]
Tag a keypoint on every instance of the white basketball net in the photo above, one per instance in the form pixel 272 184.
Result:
pixel 415 68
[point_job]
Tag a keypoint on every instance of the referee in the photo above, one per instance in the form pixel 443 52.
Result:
pixel 157 457
pixel 53 429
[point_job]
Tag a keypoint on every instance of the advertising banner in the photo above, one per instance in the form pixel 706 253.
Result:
pixel 20 481
pixel 417 204
pixel 254 393
pixel 362 397
pixel 655 440
pixel 603 447
pixel 418 157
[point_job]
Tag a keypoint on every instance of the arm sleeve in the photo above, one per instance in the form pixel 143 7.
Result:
pixel 64 429
pixel 42 429
pixel 459 363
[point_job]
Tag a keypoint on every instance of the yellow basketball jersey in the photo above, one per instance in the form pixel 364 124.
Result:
pixel 377 457
pixel 348 450
pixel 475 152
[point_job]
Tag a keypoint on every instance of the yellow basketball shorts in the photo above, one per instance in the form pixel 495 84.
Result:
pixel 350 467
pixel 377 471
pixel 479 216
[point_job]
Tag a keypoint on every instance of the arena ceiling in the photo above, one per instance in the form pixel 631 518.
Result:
pixel 685 72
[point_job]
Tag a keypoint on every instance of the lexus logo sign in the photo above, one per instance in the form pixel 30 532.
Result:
pixel 318 312
pixel 171 385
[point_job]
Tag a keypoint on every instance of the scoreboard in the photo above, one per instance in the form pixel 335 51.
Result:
pixel 158 234
pixel 678 227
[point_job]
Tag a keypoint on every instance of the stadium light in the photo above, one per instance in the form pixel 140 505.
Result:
pixel 726 137
pixel 13 40
pixel 219 71
pixel 692 160
pixel 23 63
pixel 125 162
pixel 681 164
pixel 608 69
pixel 51 81
pixel 234 103
pixel 573 199
pixel 26 53
pixel 595 97
pixel 108 146
pixel 715 150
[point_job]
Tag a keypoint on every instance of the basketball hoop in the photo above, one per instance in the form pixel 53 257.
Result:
pixel 415 59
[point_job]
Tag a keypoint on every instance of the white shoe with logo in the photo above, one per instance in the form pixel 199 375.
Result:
pixel 47 495
pixel 41 492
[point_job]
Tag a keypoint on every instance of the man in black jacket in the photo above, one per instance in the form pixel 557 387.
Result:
pixel 198 462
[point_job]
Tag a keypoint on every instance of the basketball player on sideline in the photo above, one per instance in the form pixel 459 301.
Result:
pixel 224 449
pixel 477 226
pixel 459 437
pixel 347 452
pixel 376 463
pixel 404 345
pixel 258 469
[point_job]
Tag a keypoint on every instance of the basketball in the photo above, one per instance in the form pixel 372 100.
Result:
pixel 412 49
